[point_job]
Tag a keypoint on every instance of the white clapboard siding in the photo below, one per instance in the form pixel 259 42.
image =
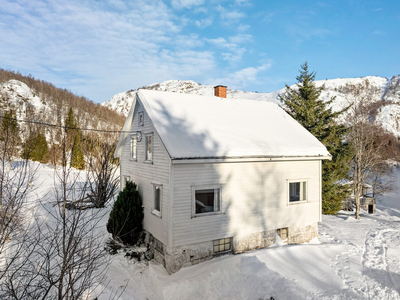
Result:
pixel 145 174
pixel 254 198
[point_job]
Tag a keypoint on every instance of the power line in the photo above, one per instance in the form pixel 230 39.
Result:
pixel 64 127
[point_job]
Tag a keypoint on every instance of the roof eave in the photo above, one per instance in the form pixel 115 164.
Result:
pixel 192 160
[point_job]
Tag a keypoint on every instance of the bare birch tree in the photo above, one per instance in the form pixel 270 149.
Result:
pixel 63 253
pixel 362 136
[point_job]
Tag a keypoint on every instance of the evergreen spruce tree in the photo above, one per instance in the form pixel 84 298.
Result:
pixel 38 148
pixel 77 158
pixel 41 149
pixel 303 103
pixel 125 221
pixel 73 141
pixel 9 135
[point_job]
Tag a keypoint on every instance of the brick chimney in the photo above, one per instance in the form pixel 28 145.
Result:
pixel 220 91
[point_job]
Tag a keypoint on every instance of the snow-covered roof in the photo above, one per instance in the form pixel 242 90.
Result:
pixel 193 126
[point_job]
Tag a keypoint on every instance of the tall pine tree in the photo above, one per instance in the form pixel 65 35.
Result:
pixel 303 103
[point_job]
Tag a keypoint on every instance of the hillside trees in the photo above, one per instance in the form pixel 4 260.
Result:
pixel 303 103
pixel 368 148
pixel 64 98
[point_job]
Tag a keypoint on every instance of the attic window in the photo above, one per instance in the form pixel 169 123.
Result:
pixel 141 118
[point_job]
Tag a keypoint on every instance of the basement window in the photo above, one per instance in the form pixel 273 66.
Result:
pixel 283 233
pixel 222 245
pixel 158 245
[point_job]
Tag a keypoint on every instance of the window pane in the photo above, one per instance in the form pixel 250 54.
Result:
pixel 133 148
pixel 304 191
pixel 149 151
pixel 294 191
pixel 204 201
pixel 157 198
pixel 221 247
pixel 216 248
pixel 216 200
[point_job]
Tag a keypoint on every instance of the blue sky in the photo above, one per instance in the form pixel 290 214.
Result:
pixel 98 48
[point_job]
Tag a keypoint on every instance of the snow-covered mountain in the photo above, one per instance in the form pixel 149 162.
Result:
pixel 31 105
pixel 387 116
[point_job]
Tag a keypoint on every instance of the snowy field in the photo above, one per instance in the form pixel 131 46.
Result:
pixel 351 260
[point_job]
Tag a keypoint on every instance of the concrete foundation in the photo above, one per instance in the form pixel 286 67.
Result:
pixel 184 256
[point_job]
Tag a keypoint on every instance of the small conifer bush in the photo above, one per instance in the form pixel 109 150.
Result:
pixel 125 221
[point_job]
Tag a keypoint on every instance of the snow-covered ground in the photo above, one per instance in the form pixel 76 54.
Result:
pixel 351 260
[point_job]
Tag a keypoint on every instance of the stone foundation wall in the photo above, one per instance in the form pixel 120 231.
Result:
pixel 184 256
pixel 302 234
pixel 254 241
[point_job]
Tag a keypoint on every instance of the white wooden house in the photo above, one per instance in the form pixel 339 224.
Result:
pixel 219 175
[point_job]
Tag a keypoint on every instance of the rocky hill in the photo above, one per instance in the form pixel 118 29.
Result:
pixel 387 99
pixel 36 100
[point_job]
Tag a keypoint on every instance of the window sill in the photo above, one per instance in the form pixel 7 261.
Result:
pixel 208 214
pixel 156 213
pixel 132 159
pixel 150 162
pixel 298 202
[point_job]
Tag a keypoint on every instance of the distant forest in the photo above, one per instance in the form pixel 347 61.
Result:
pixel 64 98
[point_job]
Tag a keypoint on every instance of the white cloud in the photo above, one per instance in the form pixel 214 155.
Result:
pixel 98 52
pixel 229 17
pixel 233 44
pixel 186 3
pixel 242 78
pixel 204 23
pixel 243 27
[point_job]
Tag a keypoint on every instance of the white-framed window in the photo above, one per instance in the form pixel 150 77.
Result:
pixel 149 147
pixel 297 191
pixel 206 200
pixel 141 118
pixel 157 192
pixel 222 245
pixel 133 147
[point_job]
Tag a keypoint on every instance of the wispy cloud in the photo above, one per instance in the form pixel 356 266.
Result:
pixel 243 27
pixel 379 32
pixel 186 3
pixel 204 23
pixel 233 44
pixel 230 16
pixel 96 51
pixel 242 78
